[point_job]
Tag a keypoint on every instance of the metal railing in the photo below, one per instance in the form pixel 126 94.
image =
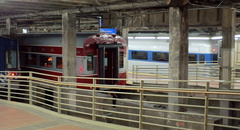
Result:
pixel 141 106
pixel 195 71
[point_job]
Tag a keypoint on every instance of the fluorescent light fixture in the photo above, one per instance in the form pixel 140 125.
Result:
pixel 190 38
pixel 216 38
pixel 163 38
pixel 237 36
pixel 145 37
pixel 25 30
pixel 199 38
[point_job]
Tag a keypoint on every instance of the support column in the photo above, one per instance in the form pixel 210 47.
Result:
pixel 178 52
pixel 69 44
pixel 178 59
pixel 228 45
pixel 227 58
pixel 11 28
pixel 125 36
pixel 69 53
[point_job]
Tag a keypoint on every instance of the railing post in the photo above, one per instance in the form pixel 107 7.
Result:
pixel 136 72
pixel 9 87
pixel 30 88
pixel 59 95
pixel 206 107
pixel 141 105
pixel 156 73
pixel 93 100
pixel 133 71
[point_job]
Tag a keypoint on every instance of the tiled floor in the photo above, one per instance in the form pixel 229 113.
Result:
pixel 19 117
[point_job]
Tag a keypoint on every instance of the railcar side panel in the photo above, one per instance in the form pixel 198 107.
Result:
pixel 101 55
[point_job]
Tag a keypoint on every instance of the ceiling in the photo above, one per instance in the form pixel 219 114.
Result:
pixel 42 14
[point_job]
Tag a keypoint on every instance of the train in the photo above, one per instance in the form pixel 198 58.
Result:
pixel 9 58
pixel 147 49
pixel 100 55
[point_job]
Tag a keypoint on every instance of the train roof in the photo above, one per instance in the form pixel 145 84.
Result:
pixel 37 34
pixel 2 37
pixel 3 40
pixel 104 38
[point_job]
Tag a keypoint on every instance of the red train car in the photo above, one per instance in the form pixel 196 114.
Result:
pixel 100 55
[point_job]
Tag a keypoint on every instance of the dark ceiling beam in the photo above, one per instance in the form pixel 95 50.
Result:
pixel 19 5
pixel 93 9
pixel 48 2
pixel 176 3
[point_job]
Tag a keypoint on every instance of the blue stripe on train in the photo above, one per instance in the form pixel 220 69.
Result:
pixel 207 57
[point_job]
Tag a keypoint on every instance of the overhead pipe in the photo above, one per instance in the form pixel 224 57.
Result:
pixel 104 8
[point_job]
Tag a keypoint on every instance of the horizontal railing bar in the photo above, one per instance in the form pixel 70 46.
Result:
pixel 185 105
pixel 44 104
pixel 22 94
pixel 224 108
pixel 44 94
pixel 70 105
pixel 216 116
pixel 82 107
pixel 178 120
pixel 117 99
pixel 166 111
pixel 45 84
pixel 185 97
pixel 21 98
pixel 104 116
pixel 221 99
pixel 103 110
pixel 85 113
pixel 117 105
pixel 44 99
pixel 64 93
pixel 178 128
pixel 225 126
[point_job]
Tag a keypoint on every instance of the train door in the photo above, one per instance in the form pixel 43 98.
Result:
pixel 11 59
pixel 108 62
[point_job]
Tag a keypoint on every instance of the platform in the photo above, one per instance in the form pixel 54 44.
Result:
pixel 19 116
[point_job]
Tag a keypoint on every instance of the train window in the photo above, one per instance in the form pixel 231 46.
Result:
pixel 201 58
pixel 46 61
pixel 121 59
pixel 215 58
pixel 31 59
pixel 192 58
pixel 90 62
pixel 11 59
pixel 160 56
pixel 59 63
pixel 140 55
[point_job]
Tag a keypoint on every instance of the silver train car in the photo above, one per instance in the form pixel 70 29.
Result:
pixel 152 49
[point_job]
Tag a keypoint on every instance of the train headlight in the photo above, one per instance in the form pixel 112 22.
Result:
pixel 214 49
pixel 12 74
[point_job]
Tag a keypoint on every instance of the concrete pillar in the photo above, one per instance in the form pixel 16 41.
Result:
pixel 125 36
pixel 11 28
pixel 227 58
pixel 178 59
pixel 69 44
pixel 69 53
pixel 178 52
pixel 228 45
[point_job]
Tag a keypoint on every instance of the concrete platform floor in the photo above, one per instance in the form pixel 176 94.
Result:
pixel 19 116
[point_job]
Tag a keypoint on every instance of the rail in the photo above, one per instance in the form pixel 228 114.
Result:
pixel 195 71
pixel 140 106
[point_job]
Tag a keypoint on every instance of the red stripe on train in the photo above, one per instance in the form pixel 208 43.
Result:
pixel 47 49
